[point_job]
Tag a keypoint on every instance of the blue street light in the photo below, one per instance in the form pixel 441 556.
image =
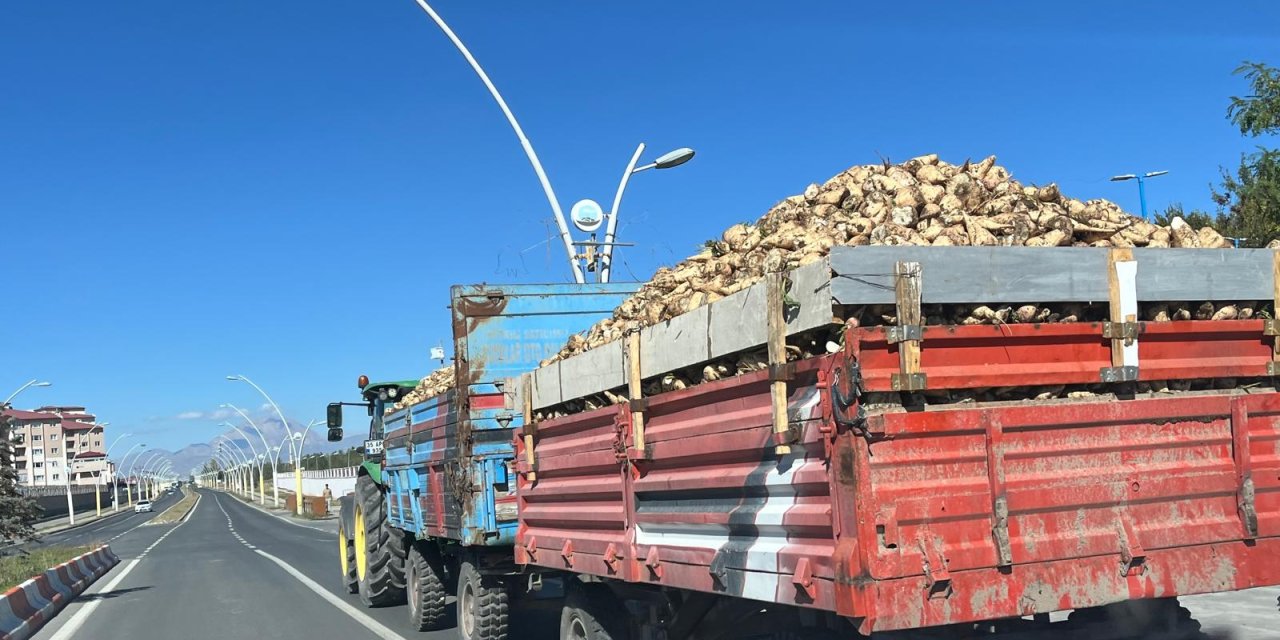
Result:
pixel 1142 185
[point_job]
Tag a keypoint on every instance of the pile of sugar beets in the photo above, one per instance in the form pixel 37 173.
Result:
pixel 923 202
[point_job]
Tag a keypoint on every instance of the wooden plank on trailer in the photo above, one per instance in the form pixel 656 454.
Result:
pixel 959 275
pixel 907 292
pixel 777 343
pixel 593 371
pixel 676 343
pixel 1122 298
pixel 635 391
pixel 529 428
pixel 546 386
pixel 1196 275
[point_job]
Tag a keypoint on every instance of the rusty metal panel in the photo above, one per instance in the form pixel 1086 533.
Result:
pixel 909 519
pixel 967 357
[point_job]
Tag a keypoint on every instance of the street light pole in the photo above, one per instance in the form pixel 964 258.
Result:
pixel 30 383
pixel 275 471
pixel 138 488
pixel 115 478
pixel 1142 185
pixel 297 474
pixel 262 480
pixel 242 458
pixel 106 459
pixel 665 161
pixel 524 142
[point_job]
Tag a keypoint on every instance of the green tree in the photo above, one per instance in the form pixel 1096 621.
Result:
pixel 17 511
pixel 1258 113
pixel 1195 218
pixel 1249 198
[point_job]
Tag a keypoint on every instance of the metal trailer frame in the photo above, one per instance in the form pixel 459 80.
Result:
pixel 914 518
pixel 904 518
pixel 448 458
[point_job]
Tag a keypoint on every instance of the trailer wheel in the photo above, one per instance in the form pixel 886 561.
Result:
pixel 591 612
pixel 424 575
pixel 379 570
pixel 1141 617
pixel 484 605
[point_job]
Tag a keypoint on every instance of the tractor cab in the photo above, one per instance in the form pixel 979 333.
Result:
pixel 377 397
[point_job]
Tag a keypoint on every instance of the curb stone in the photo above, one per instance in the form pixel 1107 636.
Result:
pixel 26 608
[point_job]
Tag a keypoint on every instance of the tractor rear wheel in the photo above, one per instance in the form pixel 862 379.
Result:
pixel 379 568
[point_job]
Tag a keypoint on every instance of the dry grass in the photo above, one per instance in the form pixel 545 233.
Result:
pixel 178 511
pixel 16 569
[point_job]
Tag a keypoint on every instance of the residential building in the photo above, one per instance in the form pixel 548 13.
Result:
pixel 54 445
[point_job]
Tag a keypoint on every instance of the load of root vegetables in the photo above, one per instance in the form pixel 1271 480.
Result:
pixel 433 384
pixel 921 202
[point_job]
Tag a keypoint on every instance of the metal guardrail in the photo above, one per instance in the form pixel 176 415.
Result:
pixel 325 474
pixel 60 490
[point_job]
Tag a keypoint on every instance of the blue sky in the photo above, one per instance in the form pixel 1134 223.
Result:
pixel 286 189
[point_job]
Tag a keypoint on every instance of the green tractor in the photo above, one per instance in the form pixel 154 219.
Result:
pixel 371 553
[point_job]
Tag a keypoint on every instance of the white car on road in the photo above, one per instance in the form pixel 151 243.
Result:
pixel 143 505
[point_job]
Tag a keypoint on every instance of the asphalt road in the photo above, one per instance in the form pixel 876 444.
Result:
pixel 233 571
pixel 103 530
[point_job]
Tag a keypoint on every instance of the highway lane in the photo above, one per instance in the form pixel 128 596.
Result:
pixel 198 580
pixel 102 530
pixel 234 571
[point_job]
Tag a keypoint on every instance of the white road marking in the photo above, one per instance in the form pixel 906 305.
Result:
pixel 356 614
pixel 73 625
pixel 359 616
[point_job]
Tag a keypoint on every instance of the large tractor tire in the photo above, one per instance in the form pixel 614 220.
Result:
pixel 424 573
pixel 347 549
pixel 484 605
pixel 378 549
pixel 591 612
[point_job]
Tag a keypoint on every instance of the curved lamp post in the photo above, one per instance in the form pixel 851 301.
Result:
pixel 30 383
pixel 138 487
pixel 115 478
pixel 524 141
pixel 275 471
pixel 106 460
pixel 297 469
pixel 262 479
pixel 665 161
pixel 239 456
pixel 230 469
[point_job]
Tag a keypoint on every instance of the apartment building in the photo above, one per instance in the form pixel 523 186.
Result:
pixel 56 445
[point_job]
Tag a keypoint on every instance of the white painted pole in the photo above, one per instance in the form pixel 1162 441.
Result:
pixel 524 140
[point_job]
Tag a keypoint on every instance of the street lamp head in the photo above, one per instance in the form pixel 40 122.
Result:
pixel 673 158
pixel 42 383
pixel 1152 174
pixel 1123 177
pixel 234 378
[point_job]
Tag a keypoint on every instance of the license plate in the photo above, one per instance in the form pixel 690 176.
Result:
pixel 373 447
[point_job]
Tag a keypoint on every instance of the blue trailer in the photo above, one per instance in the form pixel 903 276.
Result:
pixel 434 509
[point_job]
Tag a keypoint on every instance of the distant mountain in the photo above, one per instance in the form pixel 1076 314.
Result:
pixel 196 455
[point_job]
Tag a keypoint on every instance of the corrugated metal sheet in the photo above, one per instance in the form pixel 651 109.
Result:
pixel 449 457
pixel 920 518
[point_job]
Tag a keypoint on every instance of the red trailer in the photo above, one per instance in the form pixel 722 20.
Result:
pixel 789 499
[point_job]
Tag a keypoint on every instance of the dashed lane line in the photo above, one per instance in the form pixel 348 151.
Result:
pixel 359 616
pixel 73 625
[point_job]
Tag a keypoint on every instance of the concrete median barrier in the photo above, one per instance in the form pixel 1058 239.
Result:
pixel 26 608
